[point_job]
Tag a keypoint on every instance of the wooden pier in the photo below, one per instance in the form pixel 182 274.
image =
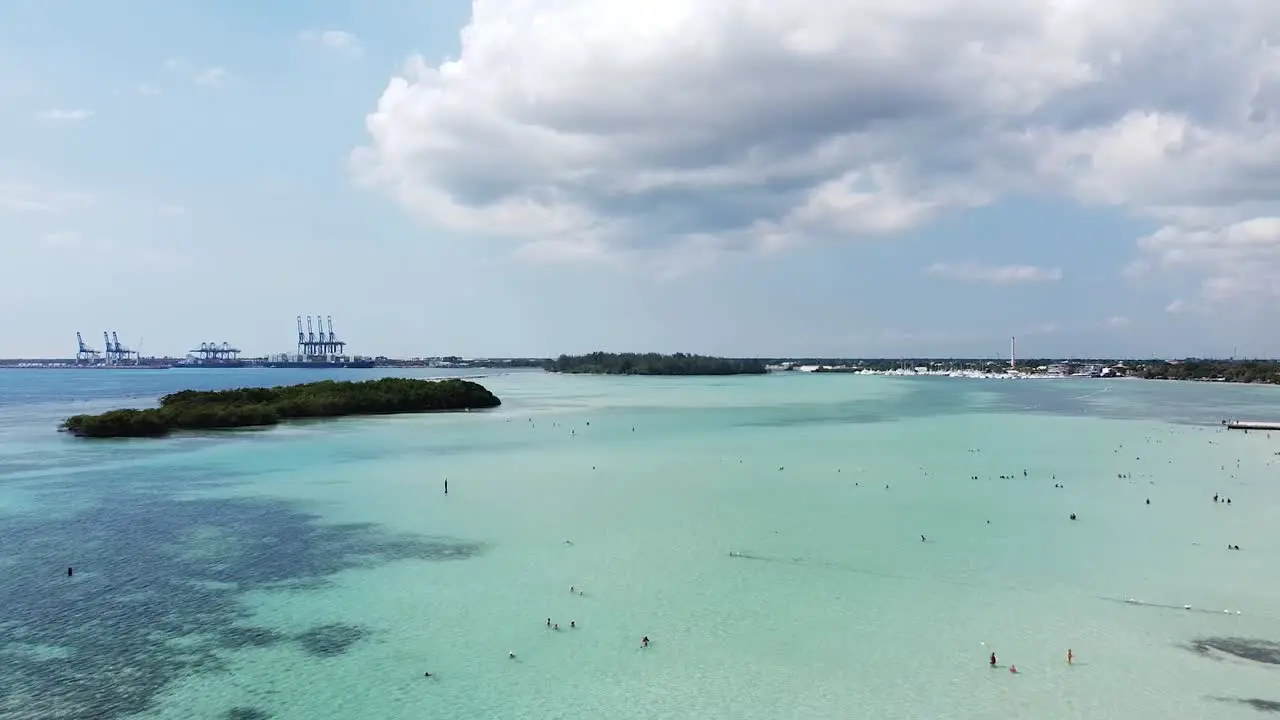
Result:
pixel 1250 425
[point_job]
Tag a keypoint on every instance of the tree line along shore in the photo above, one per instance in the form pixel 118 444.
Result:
pixel 605 363
pixel 264 407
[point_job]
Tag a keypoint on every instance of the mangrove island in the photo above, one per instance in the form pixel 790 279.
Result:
pixel 262 407
pixel 602 363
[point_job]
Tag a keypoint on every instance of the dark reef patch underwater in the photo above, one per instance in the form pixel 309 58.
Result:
pixel 1259 704
pixel 155 595
pixel 1254 649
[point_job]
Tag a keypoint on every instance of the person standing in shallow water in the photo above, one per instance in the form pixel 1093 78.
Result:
pixel 993 659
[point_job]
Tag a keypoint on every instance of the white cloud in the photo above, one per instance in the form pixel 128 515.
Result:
pixel 68 241
pixel 1118 322
pixel 994 274
pixel 26 197
pixel 622 127
pixel 1239 262
pixel 1175 307
pixel 919 338
pixel 339 42
pixel 67 115
pixel 147 90
pixel 1041 329
pixel 211 76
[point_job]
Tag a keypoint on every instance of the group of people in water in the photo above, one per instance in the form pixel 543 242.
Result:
pixel 992 660
pixel 1071 657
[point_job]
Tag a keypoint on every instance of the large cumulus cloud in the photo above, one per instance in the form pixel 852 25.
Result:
pixel 598 128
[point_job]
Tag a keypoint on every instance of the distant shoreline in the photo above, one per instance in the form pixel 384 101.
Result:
pixel 1255 372
pixel 655 364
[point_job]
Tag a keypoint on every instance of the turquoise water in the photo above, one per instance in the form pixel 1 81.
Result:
pixel 743 524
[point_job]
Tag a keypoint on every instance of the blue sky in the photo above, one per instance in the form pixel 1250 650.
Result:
pixel 826 178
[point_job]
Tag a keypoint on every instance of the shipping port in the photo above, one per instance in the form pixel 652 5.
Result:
pixel 114 356
pixel 214 355
pixel 318 349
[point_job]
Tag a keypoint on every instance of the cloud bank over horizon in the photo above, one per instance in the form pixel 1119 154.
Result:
pixel 673 133
pixel 821 177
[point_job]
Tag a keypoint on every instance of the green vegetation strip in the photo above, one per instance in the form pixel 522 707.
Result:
pixel 602 363
pixel 261 407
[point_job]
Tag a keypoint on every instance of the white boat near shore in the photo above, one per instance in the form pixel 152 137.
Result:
pixel 927 372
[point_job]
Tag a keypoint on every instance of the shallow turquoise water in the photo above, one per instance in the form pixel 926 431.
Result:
pixel 743 524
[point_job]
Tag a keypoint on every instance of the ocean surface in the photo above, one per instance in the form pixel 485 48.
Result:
pixel 765 533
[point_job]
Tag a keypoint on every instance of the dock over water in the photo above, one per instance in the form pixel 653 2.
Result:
pixel 1251 425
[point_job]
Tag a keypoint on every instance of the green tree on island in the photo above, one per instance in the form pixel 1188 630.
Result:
pixel 603 363
pixel 1233 371
pixel 263 407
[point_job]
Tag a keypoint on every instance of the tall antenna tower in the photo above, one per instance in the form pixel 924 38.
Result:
pixel 1013 352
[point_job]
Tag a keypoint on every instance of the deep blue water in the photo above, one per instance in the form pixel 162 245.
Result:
pixel 149 601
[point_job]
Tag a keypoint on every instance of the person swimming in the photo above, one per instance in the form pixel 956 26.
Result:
pixel 644 641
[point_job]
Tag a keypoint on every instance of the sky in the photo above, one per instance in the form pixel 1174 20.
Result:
pixel 839 178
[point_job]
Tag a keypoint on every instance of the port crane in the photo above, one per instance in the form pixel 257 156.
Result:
pixel 214 353
pixel 115 353
pixel 84 353
pixel 318 342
